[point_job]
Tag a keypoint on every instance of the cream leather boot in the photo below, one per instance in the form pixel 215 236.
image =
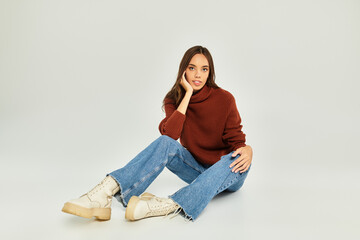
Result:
pixel 96 203
pixel 146 195
pixel 148 205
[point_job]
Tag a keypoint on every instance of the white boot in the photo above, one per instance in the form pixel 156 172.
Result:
pixel 148 205
pixel 95 203
pixel 147 195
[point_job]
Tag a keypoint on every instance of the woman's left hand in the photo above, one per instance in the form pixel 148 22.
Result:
pixel 242 164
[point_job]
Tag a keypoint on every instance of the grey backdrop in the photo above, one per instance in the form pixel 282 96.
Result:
pixel 81 87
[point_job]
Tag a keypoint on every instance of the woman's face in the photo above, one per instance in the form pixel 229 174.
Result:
pixel 197 71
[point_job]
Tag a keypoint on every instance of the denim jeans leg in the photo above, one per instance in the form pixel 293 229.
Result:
pixel 185 166
pixel 142 170
pixel 236 185
pixel 195 197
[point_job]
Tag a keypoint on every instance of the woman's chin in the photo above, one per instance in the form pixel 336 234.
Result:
pixel 197 88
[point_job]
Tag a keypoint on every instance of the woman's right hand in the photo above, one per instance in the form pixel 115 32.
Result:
pixel 185 84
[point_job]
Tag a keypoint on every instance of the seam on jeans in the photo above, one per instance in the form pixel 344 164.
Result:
pixel 143 179
pixel 187 163
pixel 236 178
pixel 239 174
pixel 220 189
pixel 228 185
pixel 196 169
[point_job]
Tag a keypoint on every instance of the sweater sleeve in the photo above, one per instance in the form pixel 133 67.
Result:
pixel 233 134
pixel 173 123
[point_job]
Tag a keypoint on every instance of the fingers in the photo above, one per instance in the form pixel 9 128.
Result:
pixel 184 83
pixel 183 76
pixel 244 168
pixel 241 164
pixel 241 167
pixel 236 153
pixel 242 157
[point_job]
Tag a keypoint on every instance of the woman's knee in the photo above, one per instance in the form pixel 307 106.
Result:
pixel 226 160
pixel 240 179
pixel 165 138
pixel 163 141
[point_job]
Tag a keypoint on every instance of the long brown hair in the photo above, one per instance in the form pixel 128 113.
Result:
pixel 177 92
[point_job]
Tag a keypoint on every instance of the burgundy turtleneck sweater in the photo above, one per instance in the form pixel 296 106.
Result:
pixel 211 127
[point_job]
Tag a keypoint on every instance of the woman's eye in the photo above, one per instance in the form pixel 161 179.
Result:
pixel 205 69
pixel 191 68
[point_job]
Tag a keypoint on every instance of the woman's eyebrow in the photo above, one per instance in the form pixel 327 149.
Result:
pixel 195 65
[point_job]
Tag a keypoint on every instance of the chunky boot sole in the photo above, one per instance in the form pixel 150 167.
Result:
pixel 130 209
pixel 99 213
pixel 129 213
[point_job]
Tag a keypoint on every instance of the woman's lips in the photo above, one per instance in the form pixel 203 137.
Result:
pixel 197 83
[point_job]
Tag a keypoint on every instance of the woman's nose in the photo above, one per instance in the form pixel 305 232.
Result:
pixel 197 74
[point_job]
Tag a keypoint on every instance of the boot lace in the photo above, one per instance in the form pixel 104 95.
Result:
pixel 176 212
pixel 97 188
pixel 162 206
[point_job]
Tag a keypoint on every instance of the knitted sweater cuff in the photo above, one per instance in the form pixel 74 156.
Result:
pixel 174 124
pixel 235 147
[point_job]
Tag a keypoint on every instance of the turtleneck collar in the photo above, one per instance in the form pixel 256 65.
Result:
pixel 201 95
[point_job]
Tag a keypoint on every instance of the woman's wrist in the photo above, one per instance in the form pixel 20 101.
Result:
pixel 185 102
pixel 189 91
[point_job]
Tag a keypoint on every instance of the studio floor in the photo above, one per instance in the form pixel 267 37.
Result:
pixel 291 202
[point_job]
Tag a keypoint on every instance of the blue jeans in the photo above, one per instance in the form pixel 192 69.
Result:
pixel 205 181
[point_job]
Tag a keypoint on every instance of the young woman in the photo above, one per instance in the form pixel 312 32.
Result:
pixel 211 157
